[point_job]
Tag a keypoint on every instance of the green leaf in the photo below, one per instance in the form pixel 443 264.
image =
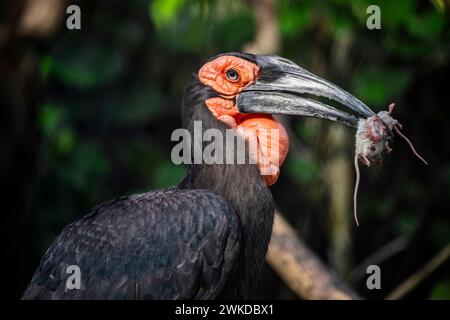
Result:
pixel 46 65
pixel 293 18
pixel 441 290
pixel 165 12
pixel 406 223
pixel 167 174
pixel 65 141
pixel 427 27
pixel 137 106
pixel 404 46
pixel 86 168
pixel 49 119
pixel 306 130
pixel 376 86
pixel 93 65
pixel 301 169
pixel 393 13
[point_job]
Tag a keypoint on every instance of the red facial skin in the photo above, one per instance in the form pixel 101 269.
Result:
pixel 272 148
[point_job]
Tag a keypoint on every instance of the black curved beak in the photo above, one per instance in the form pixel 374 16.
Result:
pixel 281 89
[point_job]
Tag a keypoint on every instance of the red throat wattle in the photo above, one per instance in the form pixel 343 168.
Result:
pixel 229 75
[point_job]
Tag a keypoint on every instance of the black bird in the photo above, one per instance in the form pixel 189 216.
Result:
pixel 207 237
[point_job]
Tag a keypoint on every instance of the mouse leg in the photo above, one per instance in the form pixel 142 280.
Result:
pixel 365 160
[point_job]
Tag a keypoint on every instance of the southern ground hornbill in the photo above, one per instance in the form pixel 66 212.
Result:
pixel 207 237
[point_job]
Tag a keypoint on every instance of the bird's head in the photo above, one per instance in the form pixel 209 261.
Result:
pixel 246 90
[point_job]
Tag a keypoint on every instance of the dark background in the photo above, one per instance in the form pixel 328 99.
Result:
pixel 87 116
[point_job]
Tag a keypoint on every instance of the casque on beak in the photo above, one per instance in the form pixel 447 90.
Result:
pixel 281 88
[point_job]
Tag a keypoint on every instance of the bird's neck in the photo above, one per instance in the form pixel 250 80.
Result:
pixel 240 184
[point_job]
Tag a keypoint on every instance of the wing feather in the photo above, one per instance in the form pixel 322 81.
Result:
pixel 166 244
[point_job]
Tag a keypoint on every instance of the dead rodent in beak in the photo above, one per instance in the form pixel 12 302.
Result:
pixel 372 138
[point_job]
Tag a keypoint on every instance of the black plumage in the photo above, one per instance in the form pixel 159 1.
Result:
pixel 158 245
pixel 203 239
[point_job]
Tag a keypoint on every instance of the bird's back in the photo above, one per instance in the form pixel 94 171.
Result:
pixel 166 244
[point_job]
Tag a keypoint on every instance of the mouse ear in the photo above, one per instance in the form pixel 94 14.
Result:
pixel 391 108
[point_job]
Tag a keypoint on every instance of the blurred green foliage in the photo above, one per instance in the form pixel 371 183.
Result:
pixel 441 291
pixel 114 92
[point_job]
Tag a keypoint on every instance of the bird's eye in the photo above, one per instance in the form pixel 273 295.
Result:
pixel 232 75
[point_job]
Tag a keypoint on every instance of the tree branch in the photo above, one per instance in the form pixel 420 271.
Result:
pixel 300 268
pixel 415 279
